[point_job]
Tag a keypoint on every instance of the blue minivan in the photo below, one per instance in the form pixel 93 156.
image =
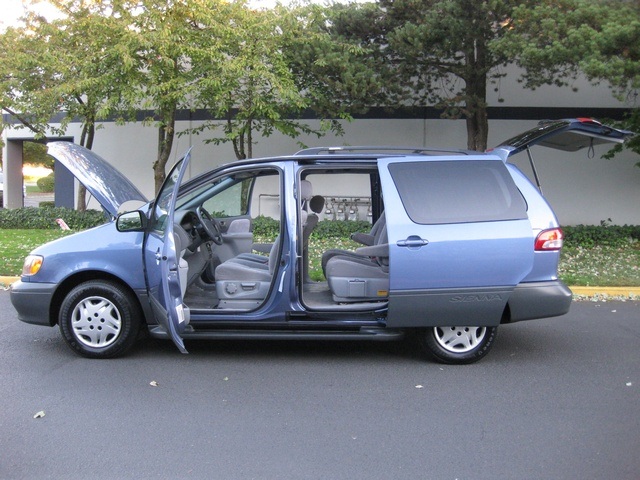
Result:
pixel 460 243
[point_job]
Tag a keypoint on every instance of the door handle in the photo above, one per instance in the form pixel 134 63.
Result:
pixel 159 257
pixel 413 241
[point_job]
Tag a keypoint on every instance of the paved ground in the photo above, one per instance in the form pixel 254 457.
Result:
pixel 556 398
pixel 34 199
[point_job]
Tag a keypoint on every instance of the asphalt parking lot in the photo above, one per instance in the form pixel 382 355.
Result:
pixel 556 398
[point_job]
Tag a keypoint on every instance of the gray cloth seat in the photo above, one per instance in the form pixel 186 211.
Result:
pixel 191 264
pixel 243 285
pixel 360 276
pixel 243 282
pixel 367 239
pixel 261 261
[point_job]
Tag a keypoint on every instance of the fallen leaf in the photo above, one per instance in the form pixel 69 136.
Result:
pixel 40 414
pixel 153 383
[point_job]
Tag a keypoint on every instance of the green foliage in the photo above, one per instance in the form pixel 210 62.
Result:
pixel 340 229
pixel 47 184
pixel 557 41
pixel 16 244
pixel 36 154
pixel 588 236
pixel 266 227
pixel 631 121
pixel 45 218
pixel 436 53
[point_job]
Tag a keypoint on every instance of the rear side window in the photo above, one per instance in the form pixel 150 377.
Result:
pixel 460 191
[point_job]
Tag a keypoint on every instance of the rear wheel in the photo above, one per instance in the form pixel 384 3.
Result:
pixel 99 319
pixel 458 345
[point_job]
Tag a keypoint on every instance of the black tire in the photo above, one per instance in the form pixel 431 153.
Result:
pixel 99 319
pixel 457 345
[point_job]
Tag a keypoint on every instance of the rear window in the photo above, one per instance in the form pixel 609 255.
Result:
pixel 457 191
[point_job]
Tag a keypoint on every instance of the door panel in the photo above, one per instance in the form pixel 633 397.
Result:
pixel 162 261
pixel 451 262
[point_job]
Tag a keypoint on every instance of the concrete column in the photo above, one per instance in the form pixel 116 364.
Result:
pixel 64 187
pixel 12 171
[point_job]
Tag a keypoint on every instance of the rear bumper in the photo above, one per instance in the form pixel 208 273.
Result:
pixel 32 301
pixel 539 300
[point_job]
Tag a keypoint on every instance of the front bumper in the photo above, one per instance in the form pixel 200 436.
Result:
pixel 539 300
pixel 33 301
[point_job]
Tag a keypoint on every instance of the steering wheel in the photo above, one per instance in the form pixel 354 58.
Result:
pixel 210 225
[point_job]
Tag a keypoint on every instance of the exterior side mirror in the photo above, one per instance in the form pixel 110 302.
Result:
pixel 135 221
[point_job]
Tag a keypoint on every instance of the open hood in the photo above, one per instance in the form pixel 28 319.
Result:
pixel 569 135
pixel 108 186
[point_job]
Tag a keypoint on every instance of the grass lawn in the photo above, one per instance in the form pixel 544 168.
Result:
pixel 601 266
pixel 597 266
pixel 16 244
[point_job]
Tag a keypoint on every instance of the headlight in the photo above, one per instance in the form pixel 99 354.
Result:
pixel 32 265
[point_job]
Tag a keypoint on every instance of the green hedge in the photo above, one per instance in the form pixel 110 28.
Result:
pixel 601 235
pixel 45 218
pixel 266 227
pixel 269 227
pixel 340 228
pixel 47 184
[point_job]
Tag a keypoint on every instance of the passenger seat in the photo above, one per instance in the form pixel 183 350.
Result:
pixel 360 276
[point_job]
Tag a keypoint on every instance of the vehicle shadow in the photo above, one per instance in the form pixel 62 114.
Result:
pixel 263 350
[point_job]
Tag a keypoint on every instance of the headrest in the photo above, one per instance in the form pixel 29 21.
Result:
pixel 306 190
pixel 316 204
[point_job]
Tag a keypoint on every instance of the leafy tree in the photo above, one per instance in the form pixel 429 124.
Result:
pixel 274 70
pixel 556 41
pixel 75 66
pixel 337 72
pixel 436 52
pixel 165 38
pixel 36 154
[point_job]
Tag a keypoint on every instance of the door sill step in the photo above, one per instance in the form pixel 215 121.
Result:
pixel 375 334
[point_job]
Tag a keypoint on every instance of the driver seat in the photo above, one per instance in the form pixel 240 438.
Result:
pixel 243 286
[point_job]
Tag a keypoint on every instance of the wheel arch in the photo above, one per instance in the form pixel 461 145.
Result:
pixel 506 315
pixel 80 277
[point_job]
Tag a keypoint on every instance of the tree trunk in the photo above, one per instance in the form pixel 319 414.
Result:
pixel 166 134
pixel 86 140
pixel 476 98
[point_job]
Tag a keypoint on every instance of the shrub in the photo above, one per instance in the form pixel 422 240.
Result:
pixel 45 218
pixel 46 184
pixel 269 228
pixel 601 235
pixel 266 227
pixel 340 228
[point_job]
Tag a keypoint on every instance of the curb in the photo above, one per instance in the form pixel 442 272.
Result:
pixel 608 291
pixel 6 281
pixel 582 291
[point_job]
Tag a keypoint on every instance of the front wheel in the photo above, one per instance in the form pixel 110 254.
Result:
pixel 457 345
pixel 99 319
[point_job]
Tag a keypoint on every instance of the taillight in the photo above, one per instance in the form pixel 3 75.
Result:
pixel 549 240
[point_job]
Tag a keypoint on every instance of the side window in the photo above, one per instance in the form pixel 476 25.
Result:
pixel 231 202
pixel 255 193
pixel 457 191
pixel 264 197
